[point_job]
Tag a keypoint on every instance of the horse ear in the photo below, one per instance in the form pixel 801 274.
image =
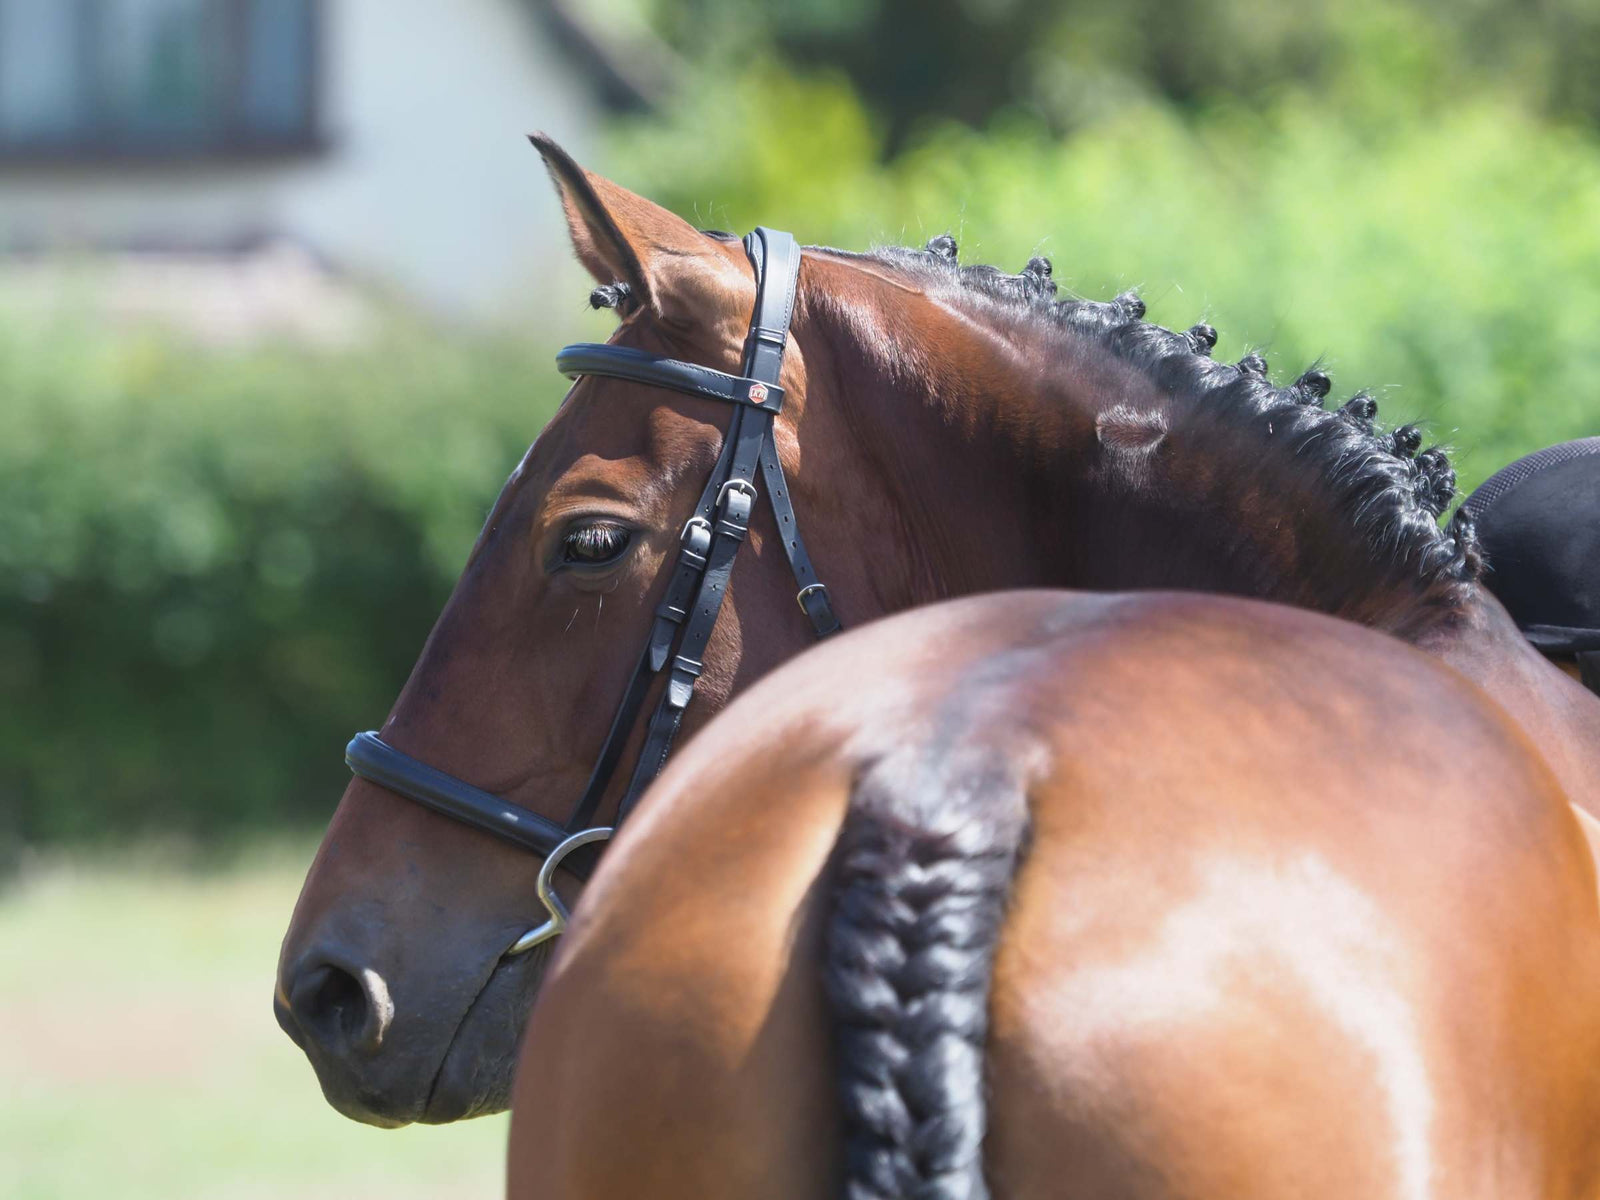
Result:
pixel 620 236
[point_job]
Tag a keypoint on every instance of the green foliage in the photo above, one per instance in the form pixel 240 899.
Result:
pixel 1447 256
pixel 213 564
pixel 1074 62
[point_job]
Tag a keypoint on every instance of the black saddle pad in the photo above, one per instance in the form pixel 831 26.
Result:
pixel 1539 524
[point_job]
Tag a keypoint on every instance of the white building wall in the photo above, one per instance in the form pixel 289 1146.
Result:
pixel 427 182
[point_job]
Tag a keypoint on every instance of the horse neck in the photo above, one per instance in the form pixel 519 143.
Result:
pixel 1008 464
pixel 920 483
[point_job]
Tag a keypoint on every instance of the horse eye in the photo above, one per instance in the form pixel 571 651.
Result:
pixel 594 545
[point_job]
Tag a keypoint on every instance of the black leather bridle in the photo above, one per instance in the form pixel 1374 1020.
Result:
pixel 688 612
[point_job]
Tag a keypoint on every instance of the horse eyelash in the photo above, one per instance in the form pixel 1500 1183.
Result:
pixel 617 295
pixel 602 540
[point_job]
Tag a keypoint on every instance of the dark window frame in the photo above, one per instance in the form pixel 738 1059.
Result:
pixel 234 139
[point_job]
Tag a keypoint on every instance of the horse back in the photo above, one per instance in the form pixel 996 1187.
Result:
pixel 1298 912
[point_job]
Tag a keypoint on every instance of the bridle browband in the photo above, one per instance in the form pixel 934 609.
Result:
pixel 688 611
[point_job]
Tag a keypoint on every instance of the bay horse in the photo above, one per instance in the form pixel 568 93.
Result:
pixel 1048 894
pixel 945 430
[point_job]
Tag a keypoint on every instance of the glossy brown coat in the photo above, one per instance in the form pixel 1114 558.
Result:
pixel 1303 914
pixel 938 443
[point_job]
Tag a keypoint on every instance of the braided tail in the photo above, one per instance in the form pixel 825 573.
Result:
pixel 922 871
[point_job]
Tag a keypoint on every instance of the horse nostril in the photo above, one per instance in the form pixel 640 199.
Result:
pixel 340 1010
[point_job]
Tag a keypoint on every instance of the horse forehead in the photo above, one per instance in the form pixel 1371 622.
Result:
pixel 634 452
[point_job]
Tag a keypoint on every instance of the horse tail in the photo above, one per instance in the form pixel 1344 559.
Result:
pixel 921 875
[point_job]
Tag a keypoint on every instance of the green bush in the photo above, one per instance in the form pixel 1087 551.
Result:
pixel 1448 257
pixel 213 565
pixel 1073 62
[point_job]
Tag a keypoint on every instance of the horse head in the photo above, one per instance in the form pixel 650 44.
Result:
pixel 946 429
pixel 393 976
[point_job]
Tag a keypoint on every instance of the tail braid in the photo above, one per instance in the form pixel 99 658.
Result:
pixel 922 876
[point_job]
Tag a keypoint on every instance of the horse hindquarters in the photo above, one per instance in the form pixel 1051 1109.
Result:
pixel 920 879
pixel 1213 1024
pixel 1260 947
pixel 682 1048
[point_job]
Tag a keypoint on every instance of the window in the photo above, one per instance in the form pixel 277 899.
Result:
pixel 157 78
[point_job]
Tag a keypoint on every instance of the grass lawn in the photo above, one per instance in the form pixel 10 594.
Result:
pixel 139 1058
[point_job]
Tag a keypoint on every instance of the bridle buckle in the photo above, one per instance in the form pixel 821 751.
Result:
pixel 811 589
pixel 698 524
pixel 687 613
pixel 743 487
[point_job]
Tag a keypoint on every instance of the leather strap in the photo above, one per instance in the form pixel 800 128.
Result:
pixel 733 522
pixel 775 257
pixel 640 366
pixel 1589 669
pixel 370 757
pixel 769 329
pixel 693 545
pixel 813 594
pixel 708 546
pixel 605 765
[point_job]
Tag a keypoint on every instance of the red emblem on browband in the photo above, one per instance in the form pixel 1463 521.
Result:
pixel 757 393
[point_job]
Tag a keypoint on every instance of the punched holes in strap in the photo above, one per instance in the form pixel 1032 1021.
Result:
pixel 700 576
pixel 813 595
pixel 775 257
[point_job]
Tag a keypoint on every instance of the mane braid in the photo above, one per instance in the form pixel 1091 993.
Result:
pixel 1390 494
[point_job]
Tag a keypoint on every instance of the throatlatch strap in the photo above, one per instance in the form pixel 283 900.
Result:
pixel 773 252
pixel 813 595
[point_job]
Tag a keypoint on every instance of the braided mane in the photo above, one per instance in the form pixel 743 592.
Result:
pixel 1387 489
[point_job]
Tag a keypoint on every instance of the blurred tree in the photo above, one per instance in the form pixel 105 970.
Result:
pixel 1072 61
pixel 214 566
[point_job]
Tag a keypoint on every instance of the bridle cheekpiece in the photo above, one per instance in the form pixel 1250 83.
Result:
pixel 685 617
